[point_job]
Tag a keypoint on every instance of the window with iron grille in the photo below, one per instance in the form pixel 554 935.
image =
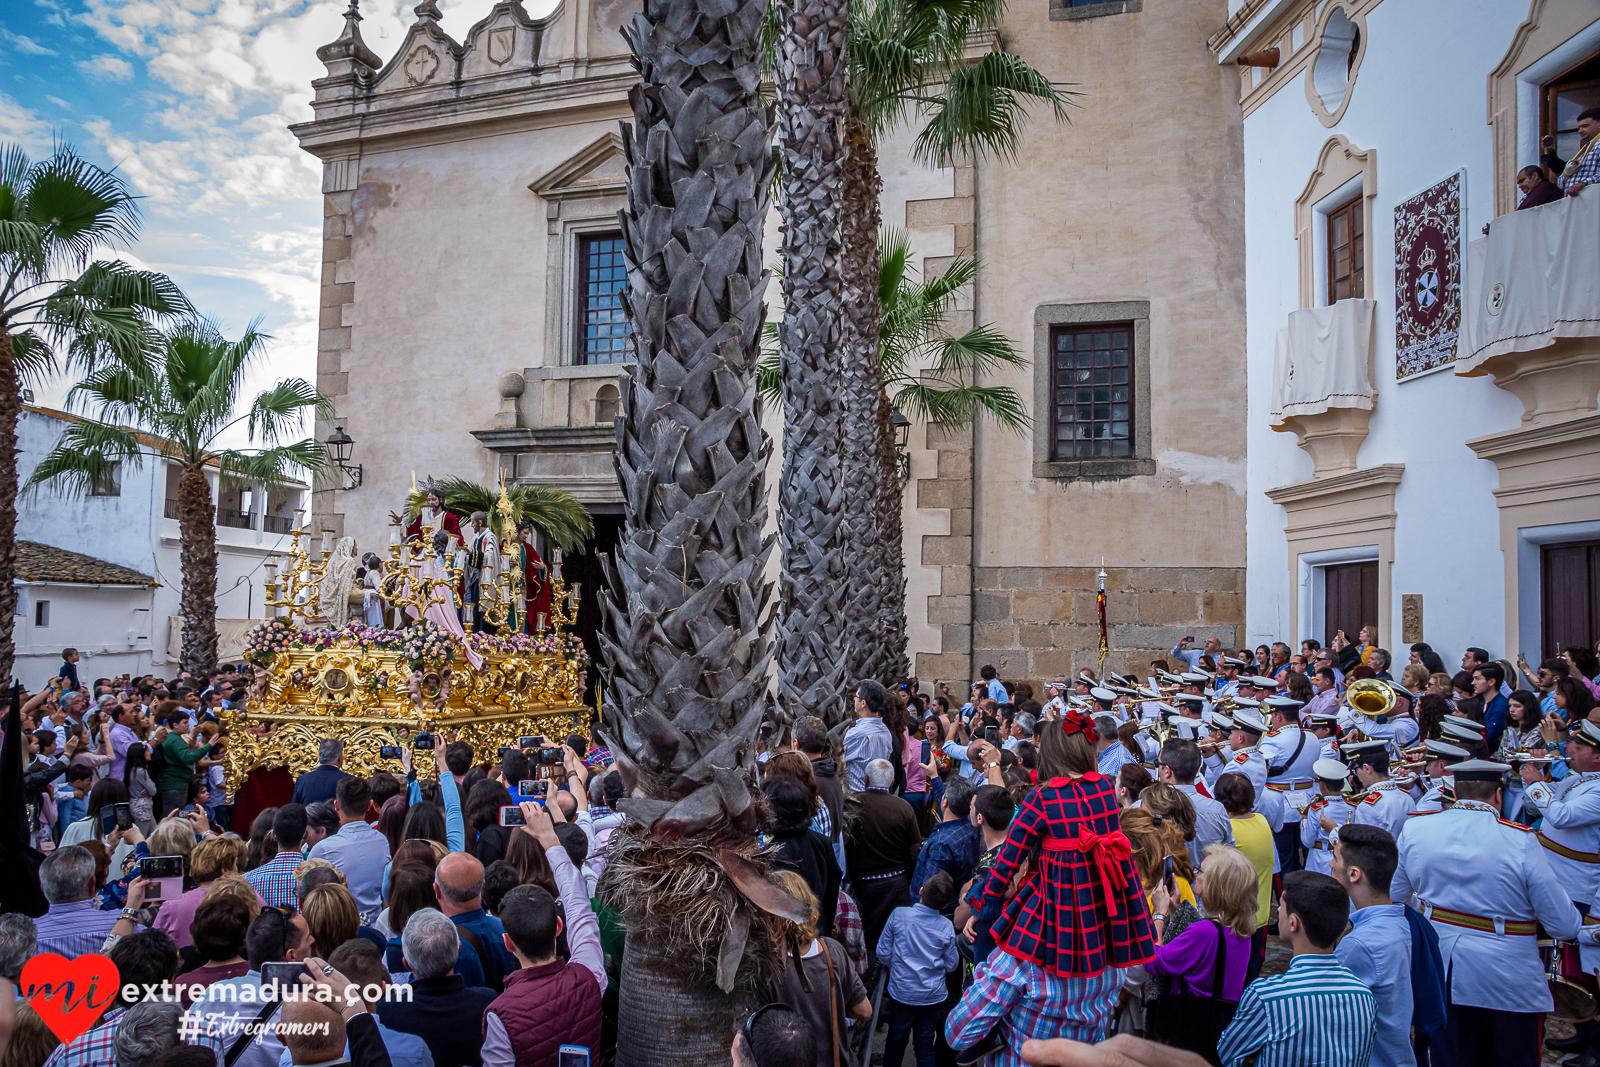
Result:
pixel 1092 378
pixel 603 329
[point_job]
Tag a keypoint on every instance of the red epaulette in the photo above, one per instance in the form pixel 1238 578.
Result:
pixel 1414 814
pixel 1515 825
pixel 1272 731
pixel 1320 802
pixel 1243 757
pixel 1372 798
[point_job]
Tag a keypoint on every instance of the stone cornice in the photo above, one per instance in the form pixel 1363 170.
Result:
pixel 1382 478
pixel 372 122
pixel 1509 444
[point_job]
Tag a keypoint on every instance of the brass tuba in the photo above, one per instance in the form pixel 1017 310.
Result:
pixel 1370 697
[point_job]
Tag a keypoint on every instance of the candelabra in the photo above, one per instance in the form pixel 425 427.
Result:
pixel 301 574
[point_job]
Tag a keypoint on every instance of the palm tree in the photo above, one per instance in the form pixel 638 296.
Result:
pixel 809 75
pixel 54 215
pixel 907 59
pixel 174 405
pixel 557 513
pixel 687 644
pixel 925 372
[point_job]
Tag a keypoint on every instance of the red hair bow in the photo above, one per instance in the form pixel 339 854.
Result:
pixel 1075 722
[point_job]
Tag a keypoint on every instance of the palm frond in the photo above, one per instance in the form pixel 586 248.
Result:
pixel 83 457
pixel 557 513
pixel 272 467
pixel 34 359
pixel 769 377
pixel 282 408
pixel 981 350
pixel 951 405
pixel 980 109
pixel 79 205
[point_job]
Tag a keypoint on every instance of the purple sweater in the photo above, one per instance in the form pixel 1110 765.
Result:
pixel 1192 956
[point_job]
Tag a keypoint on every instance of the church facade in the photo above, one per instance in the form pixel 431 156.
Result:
pixel 471 257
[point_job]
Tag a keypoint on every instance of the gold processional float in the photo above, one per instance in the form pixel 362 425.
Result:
pixel 372 687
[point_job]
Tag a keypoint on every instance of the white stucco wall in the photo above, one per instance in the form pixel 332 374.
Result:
pixel 1418 99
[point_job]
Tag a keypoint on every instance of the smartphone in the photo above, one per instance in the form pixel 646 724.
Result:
pixel 926 752
pixel 423 740
pixel 108 819
pixel 389 752
pixel 528 741
pixel 167 873
pixel 1187 640
pixel 503 749
pixel 572 1056
pixel 1167 878
pixel 275 976
pixel 991 734
pixel 550 756
pixel 121 818
pixel 512 816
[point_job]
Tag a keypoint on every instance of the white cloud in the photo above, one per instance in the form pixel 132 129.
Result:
pixel 26 45
pixel 23 126
pixel 58 102
pixel 107 67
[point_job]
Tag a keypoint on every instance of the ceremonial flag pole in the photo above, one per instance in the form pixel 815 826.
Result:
pixel 1100 599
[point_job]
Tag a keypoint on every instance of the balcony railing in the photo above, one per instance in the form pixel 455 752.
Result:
pixel 238 520
pixel 171 511
pixel 279 524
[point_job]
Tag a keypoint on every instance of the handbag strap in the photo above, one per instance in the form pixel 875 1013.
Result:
pixel 1219 968
pixel 833 1006
pixel 242 1042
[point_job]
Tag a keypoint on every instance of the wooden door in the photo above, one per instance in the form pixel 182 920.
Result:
pixel 1569 596
pixel 1349 600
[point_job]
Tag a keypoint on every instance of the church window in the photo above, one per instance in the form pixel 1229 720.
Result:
pixel 603 328
pixel 1094 391
pixel 1561 101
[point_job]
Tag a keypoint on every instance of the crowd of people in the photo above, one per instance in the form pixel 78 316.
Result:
pixel 996 878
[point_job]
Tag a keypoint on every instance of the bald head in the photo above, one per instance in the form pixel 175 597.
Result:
pixel 315 1033
pixel 458 883
pixel 568 804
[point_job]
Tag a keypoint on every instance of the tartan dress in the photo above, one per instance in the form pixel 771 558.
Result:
pixel 1082 908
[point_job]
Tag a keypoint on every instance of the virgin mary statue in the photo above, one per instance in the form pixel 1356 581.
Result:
pixel 333 591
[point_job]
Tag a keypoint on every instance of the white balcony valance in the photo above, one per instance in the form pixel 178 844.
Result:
pixel 1324 360
pixel 1533 280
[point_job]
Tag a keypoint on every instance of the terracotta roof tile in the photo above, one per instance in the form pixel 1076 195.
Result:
pixel 46 563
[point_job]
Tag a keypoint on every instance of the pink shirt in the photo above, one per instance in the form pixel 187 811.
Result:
pixel 911 757
pixel 176 915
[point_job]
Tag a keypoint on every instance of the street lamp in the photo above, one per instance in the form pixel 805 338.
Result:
pixel 340 445
pixel 902 445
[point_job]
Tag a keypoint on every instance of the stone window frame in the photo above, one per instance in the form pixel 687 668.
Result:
pixel 1353 12
pixel 1342 173
pixel 1046 316
pixel 1060 12
pixel 567 283
pixel 576 283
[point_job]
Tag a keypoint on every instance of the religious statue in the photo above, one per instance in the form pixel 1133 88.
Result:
pixel 535 583
pixel 431 518
pixel 437 565
pixel 333 591
pixel 483 567
pixel 372 605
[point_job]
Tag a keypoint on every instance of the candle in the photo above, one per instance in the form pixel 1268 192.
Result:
pixel 541 623
pixel 326 535
pixel 555 556
pixel 394 533
pixel 299 518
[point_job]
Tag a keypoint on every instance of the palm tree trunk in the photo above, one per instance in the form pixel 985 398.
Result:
pixel 10 409
pixel 687 642
pixel 197 551
pixel 876 581
pixel 662 1020
pixel 809 73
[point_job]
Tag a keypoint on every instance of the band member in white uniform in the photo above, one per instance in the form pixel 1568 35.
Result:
pixel 1487 886
pixel 1290 751
pixel 1329 811
pixel 1436 775
pixel 1386 804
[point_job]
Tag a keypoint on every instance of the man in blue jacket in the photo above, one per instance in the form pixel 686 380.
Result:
pixel 323 782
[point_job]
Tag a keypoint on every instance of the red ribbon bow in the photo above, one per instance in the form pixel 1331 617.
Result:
pixel 1075 722
pixel 1107 851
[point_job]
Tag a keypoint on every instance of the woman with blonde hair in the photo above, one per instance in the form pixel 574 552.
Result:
pixel 822 985
pixel 331 916
pixel 1206 962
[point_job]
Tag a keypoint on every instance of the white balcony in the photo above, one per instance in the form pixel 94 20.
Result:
pixel 1531 310
pixel 1322 382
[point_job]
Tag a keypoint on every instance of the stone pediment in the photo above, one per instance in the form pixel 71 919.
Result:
pixel 428 57
pixel 506 40
pixel 600 169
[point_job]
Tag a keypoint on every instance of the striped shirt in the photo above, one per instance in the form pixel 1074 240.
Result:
pixel 1317 1014
pixel 74 928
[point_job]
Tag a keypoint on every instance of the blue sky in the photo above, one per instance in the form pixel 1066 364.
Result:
pixel 191 99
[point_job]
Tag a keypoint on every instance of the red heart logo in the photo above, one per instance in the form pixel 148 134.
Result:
pixel 70 995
